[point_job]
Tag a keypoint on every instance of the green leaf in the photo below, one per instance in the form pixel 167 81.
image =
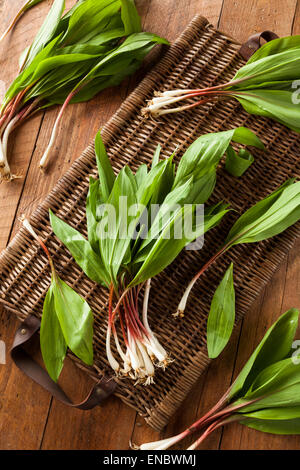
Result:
pixel 115 229
pixel 81 250
pixel 75 318
pixel 53 344
pixel 275 346
pixel 283 65
pixel 106 173
pixel 172 239
pixel 275 414
pixel 237 164
pixel 133 46
pixel 274 47
pixel 130 17
pixel 90 16
pixel 202 157
pixel 221 316
pixel 269 217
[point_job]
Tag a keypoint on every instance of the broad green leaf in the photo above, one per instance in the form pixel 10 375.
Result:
pixel 275 346
pixel 93 201
pixel 53 344
pixel 75 318
pixel 89 16
pixel 130 17
pixel 283 65
pixel 169 244
pixel 275 46
pixel 278 385
pixel 106 173
pixel 156 155
pixel 276 414
pixel 221 316
pixel 164 183
pixel 256 211
pixel 80 249
pixel 172 204
pixel 131 46
pixel 115 229
pixel 265 85
pixel 46 32
pixel 283 427
pixel 141 174
pixel 238 163
pixel 205 153
pixel 269 217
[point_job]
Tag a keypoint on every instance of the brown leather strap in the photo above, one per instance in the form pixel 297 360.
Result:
pixel 254 43
pixel 30 327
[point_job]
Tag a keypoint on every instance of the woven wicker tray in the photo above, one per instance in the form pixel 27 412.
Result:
pixel 201 56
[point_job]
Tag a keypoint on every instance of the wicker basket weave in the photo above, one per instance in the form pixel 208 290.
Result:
pixel 202 56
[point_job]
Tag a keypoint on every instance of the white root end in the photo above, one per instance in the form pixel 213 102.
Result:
pixel 29 228
pixel 112 361
pixel 143 353
pixel 157 106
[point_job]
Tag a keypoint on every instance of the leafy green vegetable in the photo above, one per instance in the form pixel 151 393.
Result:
pixel 238 163
pixel 137 225
pixel 264 86
pixel 76 320
pixel 130 17
pixel 72 58
pixel 221 316
pixel 266 394
pixel 275 345
pixel 53 344
pixel 27 5
pixel 67 321
pixel 264 220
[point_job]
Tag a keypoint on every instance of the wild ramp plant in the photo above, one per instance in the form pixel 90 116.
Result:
pixel 265 86
pixel 137 246
pixel 73 57
pixel 264 396
pixel 27 5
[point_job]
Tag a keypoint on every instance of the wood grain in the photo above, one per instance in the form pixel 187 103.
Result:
pixel 29 418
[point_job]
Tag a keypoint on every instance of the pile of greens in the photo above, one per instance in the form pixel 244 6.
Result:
pixel 151 208
pixel 266 86
pixel 73 57
pixel 264 396
pixel 264 220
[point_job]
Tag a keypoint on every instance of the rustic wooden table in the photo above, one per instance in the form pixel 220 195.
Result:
pixel 29 418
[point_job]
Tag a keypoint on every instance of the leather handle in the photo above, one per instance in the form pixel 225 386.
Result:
pixel 254 43
pixel 27 330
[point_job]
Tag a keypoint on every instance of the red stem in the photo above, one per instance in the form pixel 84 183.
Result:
pixel 210 262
